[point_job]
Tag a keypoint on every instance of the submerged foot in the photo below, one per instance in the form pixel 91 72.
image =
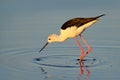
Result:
pixel 86 59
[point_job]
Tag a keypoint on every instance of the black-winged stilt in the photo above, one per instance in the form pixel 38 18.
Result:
pixel 71 29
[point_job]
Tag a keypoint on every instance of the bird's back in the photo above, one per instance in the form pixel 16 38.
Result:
pixel 78 22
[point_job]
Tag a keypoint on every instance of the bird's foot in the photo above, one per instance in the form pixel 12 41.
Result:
pixel 82 60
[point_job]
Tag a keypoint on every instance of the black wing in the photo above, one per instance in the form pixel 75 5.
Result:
pixel 78 22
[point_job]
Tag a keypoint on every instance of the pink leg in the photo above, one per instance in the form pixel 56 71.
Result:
pixel 88 46
pixel 81 49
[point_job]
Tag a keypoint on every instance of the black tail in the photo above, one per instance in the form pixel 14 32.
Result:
pixel 100 16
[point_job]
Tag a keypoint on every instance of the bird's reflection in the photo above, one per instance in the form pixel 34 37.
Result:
pixel 84 71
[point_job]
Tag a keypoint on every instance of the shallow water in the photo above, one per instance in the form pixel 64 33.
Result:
pixel 24 30
pixel 59 63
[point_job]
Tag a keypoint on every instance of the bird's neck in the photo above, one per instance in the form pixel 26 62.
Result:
pixel 59 38
pixel 62 38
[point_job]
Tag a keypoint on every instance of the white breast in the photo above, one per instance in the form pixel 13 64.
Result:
pixel 69 32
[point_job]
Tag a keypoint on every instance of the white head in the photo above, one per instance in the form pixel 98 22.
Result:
pixel 53 38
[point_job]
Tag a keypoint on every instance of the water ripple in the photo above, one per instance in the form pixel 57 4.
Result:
pixel 66 61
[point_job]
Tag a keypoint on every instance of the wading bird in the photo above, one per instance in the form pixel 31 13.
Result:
pixel 72 29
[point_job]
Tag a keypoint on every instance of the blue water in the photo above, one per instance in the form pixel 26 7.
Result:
pixel 25 25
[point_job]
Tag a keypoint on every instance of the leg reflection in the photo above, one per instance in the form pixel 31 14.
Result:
pixel 84 71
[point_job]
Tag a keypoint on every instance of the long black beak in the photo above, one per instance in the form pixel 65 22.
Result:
pixel 43 47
